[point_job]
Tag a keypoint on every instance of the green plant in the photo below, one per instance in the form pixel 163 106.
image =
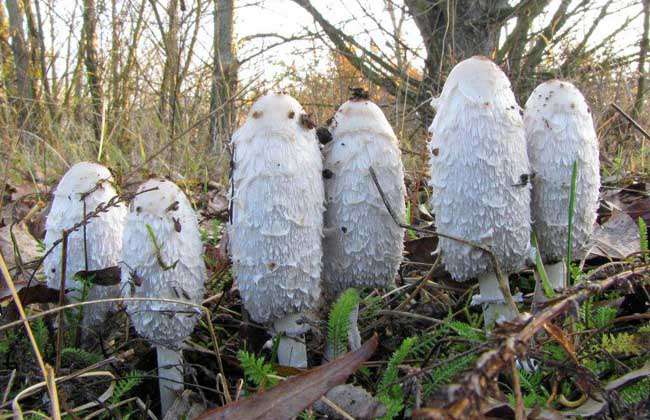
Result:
pixel 466 331
pixel 256 370
pixel 446 372
pixel 603 316
pixel 410 232
pixel 546 285
pixel 572 204
pixel 643 238
pixel 338 323
pixel 157 249
pixel 636 392
pixel 389 391
pixel 79 356
pixel 623 343
pixel 532 387
pixel 126 384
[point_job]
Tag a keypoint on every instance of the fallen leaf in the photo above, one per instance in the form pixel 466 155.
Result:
pixel 617 238
pixel 39 293
pixel 289 398
pixel 25 243
pixel 109 276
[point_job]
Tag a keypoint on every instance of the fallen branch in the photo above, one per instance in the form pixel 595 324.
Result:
pixel 463 399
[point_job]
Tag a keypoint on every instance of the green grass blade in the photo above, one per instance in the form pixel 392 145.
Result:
pixel 572 205
pixel 546 285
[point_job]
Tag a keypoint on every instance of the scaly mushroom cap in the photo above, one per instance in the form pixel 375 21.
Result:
pixel 175 271
pixel 478 161
pixel 363 245
pixel 277 210
pixel 103 234
pixel 559 131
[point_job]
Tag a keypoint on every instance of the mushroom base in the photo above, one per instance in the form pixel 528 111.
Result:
pixel 556 274
pixel 292 350
pixel 495 308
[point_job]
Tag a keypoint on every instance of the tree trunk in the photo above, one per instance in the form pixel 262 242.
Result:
pixel 23 84
pixel 6 73
pixel 643 55
pixel 168 88
pixel 224 73
pixel 93 69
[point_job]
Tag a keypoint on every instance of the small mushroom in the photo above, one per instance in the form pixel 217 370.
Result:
pixel 559 131
pixel 481 155
pixel 88 183
pixel 277 221
pixel 168 264
pixel 363 245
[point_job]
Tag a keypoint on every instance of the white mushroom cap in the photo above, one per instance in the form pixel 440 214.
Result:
pixel 559 131
pixel 477 160
pixel 103 234
pixel 277 220
pixel 169 213
pixel 363 245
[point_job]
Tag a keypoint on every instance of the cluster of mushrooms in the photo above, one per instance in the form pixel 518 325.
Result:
pixel 307 220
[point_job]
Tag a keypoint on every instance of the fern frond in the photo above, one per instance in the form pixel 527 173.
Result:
pixel 603 316
pixel 126 384
pixel 338 324
pixel 71 355
pixel 256 370
pixel 390 392
pixel 466 331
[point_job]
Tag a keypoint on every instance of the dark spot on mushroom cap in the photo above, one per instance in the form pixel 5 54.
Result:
pixel 271 265
pixel 291 114
pixel 257 114
pixel 307 122
pixel 344 229
pixel 327 174
pixel 54 270
pixel 323 134
pixel 358 94
pixel 138 209
pixel 177 225
pixel 435 151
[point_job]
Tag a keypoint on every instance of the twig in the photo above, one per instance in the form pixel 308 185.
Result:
pixel 631 120
pixel 519 399
pixel 463 398
pixel 503 281
pixel 61 321
pixel 21 311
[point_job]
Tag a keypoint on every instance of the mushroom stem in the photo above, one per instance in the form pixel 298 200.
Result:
pixel 354 336
pixel 292 350
pixel 494 304
pixel 556 274
pixel 170 376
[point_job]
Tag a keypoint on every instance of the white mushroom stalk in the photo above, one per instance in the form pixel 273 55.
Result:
pixel 83 188
pixel 479 172
pixel 277 220
pixel 363 245
pixel 560 131
pixel 163 258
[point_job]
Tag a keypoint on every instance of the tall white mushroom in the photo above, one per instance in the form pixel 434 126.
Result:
pixel 163 258
pixel 363 245
pixel 85 185
pixel 479 173
pixel 277 219
pixel 560 131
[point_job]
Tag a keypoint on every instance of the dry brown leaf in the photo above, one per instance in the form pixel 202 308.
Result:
pixel 559 336
pixel 292 396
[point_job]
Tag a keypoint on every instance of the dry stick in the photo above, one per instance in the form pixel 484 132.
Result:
pixel 39 358
pixel 519 399
pixel 420 285
pixel 463 398
pixel 631 120
pixel 59 333
pixel 503 282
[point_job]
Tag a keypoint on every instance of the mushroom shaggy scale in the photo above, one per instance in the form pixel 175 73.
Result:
pixel 559 132
pixel 85 186
pixel 277 219
pixel 363 245
pixel 163 258
pixel 479 172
